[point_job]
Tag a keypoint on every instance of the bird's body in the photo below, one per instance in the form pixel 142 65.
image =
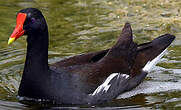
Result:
pixel 83 79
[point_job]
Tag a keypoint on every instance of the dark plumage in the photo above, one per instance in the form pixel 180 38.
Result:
pixel 74 80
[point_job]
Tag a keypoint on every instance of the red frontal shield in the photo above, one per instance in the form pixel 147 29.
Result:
pixel 18 31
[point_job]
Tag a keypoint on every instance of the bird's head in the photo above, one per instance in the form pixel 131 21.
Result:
pixel 29 21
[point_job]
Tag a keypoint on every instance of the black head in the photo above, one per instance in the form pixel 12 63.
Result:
pixel 30 21
pixel 34 22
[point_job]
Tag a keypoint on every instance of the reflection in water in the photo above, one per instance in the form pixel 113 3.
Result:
pixel 79 26
pixel 149 87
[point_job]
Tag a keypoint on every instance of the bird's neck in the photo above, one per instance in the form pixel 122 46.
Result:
pixel 37 54
pixel 36 66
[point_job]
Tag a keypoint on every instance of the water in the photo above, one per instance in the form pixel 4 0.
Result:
pixel 80 26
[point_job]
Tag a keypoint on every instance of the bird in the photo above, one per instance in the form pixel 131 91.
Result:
pixel 88 78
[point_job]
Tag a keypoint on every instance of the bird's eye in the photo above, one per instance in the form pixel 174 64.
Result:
pixel 33 20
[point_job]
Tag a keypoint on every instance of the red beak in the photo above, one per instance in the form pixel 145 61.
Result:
pixel 18 31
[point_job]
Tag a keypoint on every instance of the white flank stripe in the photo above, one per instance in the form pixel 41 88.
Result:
pixel 105 86
pixel 125 75
pixel 151 64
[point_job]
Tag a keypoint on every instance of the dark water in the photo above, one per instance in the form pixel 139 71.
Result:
pixel 80 26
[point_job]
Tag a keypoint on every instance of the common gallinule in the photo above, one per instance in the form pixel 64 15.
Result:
pixel 89 78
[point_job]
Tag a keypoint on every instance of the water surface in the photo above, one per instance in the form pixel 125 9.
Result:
pixel 80 26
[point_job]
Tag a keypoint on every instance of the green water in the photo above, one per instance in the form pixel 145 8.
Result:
pixel 80 26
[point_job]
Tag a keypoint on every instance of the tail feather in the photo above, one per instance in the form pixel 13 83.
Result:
pixel 121 56
pixel 148 52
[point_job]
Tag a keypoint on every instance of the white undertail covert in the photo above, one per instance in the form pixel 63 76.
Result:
pixel 151 64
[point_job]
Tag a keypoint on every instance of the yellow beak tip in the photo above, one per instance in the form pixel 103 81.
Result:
pixel 11 40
